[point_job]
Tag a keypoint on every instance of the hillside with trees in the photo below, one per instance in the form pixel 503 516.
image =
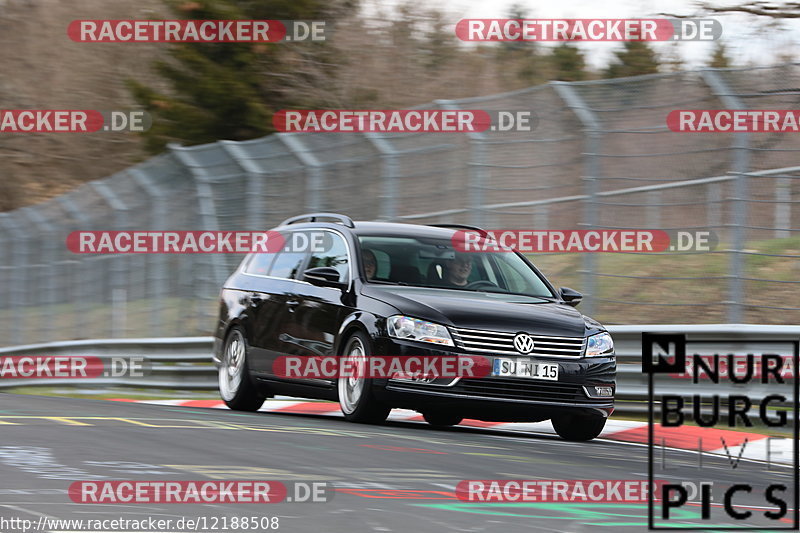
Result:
pixel 199 93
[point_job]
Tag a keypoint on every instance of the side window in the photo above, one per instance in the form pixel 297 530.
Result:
pixel 287 265
pixel 259 264
pixel 334 256
pixel 519 277
pixel 516 282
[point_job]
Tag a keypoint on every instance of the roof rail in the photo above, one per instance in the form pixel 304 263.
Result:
pixel 313 217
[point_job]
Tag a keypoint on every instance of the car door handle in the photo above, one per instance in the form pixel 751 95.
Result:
pixel 291 304
pixel 255 299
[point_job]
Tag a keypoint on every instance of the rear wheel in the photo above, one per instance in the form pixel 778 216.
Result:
pixel 441 419
pixel 355 393
pixel 578 427
pixel 235 384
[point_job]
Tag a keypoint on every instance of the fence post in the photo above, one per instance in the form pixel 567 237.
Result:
pixel 208 214
pixel 740 168
pixel 18 277
pixel 654 209
pixel 783 204
pixel 478 169
pixel 83 271
pixel 47 290
pixel 541 217
pixel 713 195
pixel 205 200
pixel 256 220
pixel 117 300
pixel 592 136
pixel 6 307
pixel 313 166
pixel 158 274
pixel 389 174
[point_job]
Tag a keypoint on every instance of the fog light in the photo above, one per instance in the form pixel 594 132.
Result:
pixel 604 391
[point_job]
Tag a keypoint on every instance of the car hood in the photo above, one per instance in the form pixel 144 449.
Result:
pixel 482 310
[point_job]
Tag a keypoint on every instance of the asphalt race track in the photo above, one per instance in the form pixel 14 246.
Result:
pixel 398 477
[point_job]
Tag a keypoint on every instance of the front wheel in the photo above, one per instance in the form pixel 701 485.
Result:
pixel 578 427
pixel 235 385
pixel 355 393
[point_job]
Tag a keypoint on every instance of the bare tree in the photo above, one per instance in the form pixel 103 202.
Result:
pixel 783 10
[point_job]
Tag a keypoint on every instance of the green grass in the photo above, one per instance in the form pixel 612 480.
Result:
pixel 639 294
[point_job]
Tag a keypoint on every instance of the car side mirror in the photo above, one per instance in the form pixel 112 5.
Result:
pixel 570 296
pixel 323 277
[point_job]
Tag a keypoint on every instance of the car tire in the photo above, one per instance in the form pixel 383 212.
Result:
pixel 578 428
pixel 441 419
pixel 356 399
pixel 236 387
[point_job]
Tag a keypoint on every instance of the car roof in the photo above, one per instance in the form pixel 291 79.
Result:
pixel 367 228
pixel 401 229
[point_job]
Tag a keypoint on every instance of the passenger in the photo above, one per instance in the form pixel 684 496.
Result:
pixel 370 263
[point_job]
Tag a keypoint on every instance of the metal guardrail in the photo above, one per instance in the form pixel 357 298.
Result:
pixel 632 383
pixel 175 362
pixel 185 362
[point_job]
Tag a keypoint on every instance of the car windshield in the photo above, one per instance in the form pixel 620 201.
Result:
pixel 427 262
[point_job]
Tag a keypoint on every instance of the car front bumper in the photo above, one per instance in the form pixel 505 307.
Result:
pixel 503 398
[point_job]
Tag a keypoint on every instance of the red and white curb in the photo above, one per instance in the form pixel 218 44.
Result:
pixel 712 441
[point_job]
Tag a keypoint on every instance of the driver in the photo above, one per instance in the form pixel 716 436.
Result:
pixel 457 270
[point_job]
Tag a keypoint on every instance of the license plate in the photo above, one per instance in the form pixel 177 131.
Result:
pixel 524 368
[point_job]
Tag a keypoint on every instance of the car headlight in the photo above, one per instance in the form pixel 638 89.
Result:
pixel 414 329
pixel 598 345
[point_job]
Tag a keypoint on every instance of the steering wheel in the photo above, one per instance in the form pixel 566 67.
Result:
pixel 480 283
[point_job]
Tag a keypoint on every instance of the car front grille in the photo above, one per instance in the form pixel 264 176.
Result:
pixel 523 389
pixel 499 342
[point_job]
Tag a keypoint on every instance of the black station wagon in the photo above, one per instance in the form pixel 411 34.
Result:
pixel 401 290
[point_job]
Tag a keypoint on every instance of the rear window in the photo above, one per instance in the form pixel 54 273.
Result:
pixel 287 265
pixel 259 264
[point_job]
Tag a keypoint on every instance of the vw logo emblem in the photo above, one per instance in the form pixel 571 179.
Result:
pixel 523 343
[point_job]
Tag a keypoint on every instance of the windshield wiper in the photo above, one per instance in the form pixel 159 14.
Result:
pixel 505 291
pixel 540 297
